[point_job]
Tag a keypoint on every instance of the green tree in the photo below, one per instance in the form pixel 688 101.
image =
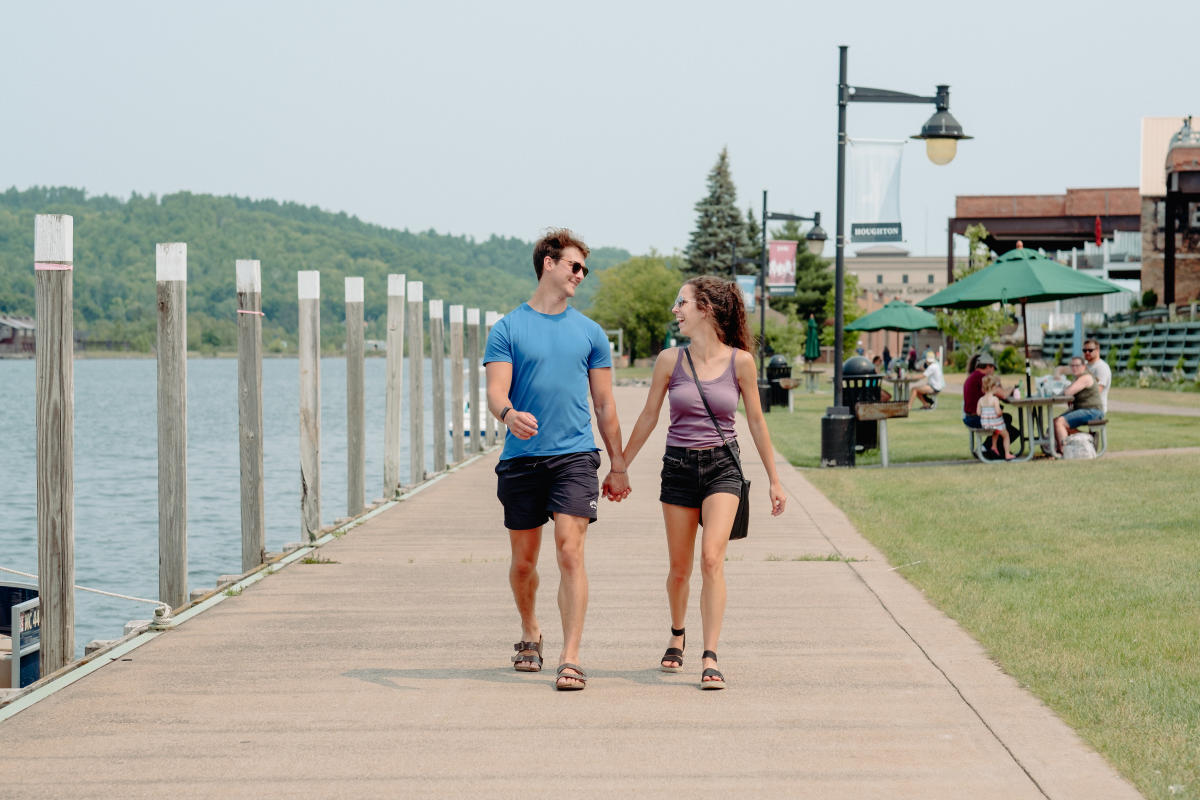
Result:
pixel 720 233
pixel 754 236
pixel 851 311
pixel 637 297
pixel 974 327
pixel 814 277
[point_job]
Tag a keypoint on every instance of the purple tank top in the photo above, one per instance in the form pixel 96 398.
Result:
pixel 690 424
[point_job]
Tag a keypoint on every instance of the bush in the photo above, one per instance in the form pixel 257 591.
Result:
pixel 1131 363
pixel 1149 299
pixel 1010 362
pixel 958 360
pixel 1058 356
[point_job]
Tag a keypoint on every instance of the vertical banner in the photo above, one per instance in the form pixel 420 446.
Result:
pixel 781 267
pixel 874 185
pixel 747 283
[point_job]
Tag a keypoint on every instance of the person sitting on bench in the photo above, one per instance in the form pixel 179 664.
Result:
pixel 1085 404
pixel 927 389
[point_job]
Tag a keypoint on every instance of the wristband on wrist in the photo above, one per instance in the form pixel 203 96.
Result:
pixel 504 411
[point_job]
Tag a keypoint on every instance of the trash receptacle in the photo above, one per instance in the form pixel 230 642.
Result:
pixel 764 396
pixel 837 437
pixel 861 384
pixel 778 367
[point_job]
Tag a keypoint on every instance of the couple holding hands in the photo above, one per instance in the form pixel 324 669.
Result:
pixel 543 361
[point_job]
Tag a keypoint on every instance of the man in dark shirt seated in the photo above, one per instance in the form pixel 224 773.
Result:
pixel 984 365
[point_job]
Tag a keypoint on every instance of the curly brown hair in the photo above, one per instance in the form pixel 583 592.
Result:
pixel 723 299
pixel 552 244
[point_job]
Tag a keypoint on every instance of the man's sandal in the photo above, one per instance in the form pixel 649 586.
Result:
pixel 570 687
pixel 528 657
pixel 718 680
pixel 672 660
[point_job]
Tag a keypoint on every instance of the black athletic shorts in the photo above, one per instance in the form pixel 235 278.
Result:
pixel 689 476
pixel 533 488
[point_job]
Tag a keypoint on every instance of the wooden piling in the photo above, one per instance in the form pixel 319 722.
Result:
pixel 394 401
pixel 171 280
pixel 473 358
pixel 250 413
pixel 456 383
pixel 356 429
pixel 309 292
pixel 416 382
pixel 437 352
pixel 493 425
pixel 55 419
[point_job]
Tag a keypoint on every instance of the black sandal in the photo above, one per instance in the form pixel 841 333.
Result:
pixel 718 681
pixel 674 654
pixel 526 662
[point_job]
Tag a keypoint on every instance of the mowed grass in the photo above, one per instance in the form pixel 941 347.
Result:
pixel 1082 580
pixel 939 435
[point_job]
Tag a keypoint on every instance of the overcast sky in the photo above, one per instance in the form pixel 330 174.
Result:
pixel 483 118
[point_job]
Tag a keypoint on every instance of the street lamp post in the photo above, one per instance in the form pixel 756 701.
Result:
pixel 814 240
pixel 941 133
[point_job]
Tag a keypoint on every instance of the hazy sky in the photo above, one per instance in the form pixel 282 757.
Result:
pixel 482 117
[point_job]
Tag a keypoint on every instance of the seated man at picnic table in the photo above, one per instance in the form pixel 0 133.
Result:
pixel 979 368
pixel 1086 404
pixel 927 389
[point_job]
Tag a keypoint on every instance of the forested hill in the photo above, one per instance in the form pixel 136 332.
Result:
pixel 115 272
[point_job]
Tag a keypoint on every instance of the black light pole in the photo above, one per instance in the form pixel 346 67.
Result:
pixel 815 242
pixel 941 133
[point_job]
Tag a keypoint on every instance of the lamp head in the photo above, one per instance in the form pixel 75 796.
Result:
pixel 816 237
pixel 942 131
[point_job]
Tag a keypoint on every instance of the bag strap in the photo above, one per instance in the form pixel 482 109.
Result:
pixel 711 415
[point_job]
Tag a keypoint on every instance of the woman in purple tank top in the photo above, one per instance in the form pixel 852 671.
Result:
pixel 701 483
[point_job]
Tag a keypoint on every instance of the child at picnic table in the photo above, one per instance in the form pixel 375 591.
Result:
pixel 990 414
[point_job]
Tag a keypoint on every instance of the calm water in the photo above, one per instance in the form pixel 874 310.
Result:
pixel 116 471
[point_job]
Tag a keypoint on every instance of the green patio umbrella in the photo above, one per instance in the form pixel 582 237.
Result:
pixel 812 342
pixel 895 316
pixel 1019 276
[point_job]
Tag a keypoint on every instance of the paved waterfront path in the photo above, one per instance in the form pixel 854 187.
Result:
pixel 385 673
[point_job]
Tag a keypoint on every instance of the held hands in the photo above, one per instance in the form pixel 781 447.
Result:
pixel 521 424
pixel 616 486
pixel 778 499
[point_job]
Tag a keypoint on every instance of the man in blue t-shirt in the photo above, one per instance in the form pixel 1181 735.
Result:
pixel 542 360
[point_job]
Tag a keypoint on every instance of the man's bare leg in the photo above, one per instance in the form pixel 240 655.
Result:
pixel 523 577
pixel 570 534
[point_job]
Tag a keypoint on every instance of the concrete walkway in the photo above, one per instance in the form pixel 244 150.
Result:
pixel 384 672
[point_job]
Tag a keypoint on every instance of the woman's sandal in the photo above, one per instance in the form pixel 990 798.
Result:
pixel 718 680
pixel 528 657
pixel 674 655
pixel 570 687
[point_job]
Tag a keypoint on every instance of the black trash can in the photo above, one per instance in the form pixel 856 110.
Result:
pixel 861 384
pixel 837 437
pixel 764 396
pixel 778 367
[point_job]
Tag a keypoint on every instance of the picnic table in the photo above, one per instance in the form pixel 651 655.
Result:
pixel 900 386
pixel 1037 427
pixel 810 378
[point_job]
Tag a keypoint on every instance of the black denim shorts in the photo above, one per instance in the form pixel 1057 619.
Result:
pixel 533 488
pixel 689 476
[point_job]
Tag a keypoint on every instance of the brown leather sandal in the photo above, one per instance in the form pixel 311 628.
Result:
pixel 528 657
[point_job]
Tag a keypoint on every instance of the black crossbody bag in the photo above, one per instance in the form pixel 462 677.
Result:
pixel 741 522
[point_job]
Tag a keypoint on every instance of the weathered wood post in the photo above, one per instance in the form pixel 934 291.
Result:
pixel 356 427
pixel 55 418
pixel 473 358
pixel 437 351
pixel 456 382
pixel 493 424
pixel 250 413
pixel 416 381
pixel 393 405
pixel 309 290
pixel 171 279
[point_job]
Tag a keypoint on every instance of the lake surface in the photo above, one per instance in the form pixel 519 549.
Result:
pixel 116 471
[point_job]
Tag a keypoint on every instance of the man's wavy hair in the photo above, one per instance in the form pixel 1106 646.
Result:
pixel 552 244
pixel 723 300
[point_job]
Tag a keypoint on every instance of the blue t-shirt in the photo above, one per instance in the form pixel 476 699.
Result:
pixel 550 356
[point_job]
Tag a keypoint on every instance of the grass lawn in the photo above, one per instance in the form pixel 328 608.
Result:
pixel 1082 580
pixel 939 435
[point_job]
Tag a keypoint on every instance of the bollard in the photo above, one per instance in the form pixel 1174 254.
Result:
pixel 493 424
pixel 393 405
pixel 171 280
pixel 416 382
pixel 438 354
pixel 457 434
pixel 248 276
pixel 356 430
pixel 55 419
pixel 473 359
pixel 309 291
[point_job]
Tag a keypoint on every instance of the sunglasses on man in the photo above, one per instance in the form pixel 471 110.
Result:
pixel 576 267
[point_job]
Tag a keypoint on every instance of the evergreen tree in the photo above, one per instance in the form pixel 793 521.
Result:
pixel 720 237
pixel 814 277
pixel 754 236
